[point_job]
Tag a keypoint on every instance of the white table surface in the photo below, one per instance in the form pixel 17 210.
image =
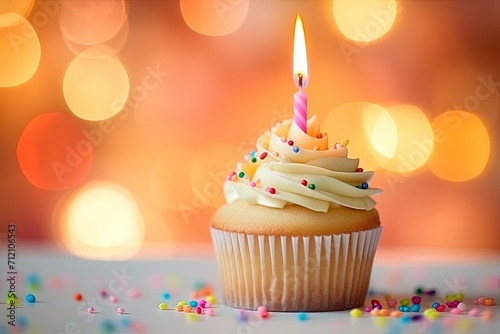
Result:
pixel 158 270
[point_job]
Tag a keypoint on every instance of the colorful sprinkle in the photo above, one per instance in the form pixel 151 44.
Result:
pixel 272 191
pixel 179 308
pixel 416 300
pixel 77 296
pixel 90 310
pixel 303 182
pixel 252 184
pixel 441 308
pixel 30 298
pixel 384 312
pixel 120 310
pixel 364 185
pixel 193 303
pixel 345 143
pixel 488 301
pixel 356 313
pixel 419 290
pixel 337 145
pixel 415 308
pixel 241 175
pixel 375 302
pixel 396 314
pixel 295 149
pixel 462 306
pixel 182 303
pixel 456 310
pixel 302 316
pixel 187 308
pixel 435 304
pixel 316 148
pixel 163 306
pixel 264 315
pixel 359 170
pixel 263 156
pixel 165 295
pixel 209 311
pixel 202 303
pixel 261 309
pixel 283 139
pixel 392 302
pixel 375 311
pixel 254 159
pixel 404 302
pixel 198 309
pixel 290 142
pixel 312 186
pixel 319 135
pixel 103 293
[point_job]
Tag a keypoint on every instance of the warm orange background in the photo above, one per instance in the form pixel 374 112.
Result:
pixel 226 77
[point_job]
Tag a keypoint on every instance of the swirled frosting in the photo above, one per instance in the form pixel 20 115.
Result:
pixel 290 166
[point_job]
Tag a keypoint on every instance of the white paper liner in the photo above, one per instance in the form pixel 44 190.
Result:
pixel 283 273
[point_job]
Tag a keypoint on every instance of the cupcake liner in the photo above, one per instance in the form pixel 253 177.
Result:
pixel 291 273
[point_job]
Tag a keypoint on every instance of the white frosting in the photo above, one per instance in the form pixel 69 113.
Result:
pixel 288 163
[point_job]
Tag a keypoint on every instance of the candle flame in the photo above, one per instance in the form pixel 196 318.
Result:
pixel 300 73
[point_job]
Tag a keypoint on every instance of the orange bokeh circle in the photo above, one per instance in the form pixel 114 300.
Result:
pixel 54 152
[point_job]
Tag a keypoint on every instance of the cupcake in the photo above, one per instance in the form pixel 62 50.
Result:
pixel 300 229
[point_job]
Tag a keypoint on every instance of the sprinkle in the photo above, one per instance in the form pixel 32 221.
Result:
pixel 120 310
pixel 283 139
pixel 193 303
pixel 209 311
pixel 456 310
pixel 312 186
pixel 165 295
pixel 272 191
pixel 359 169
pixel 459 296
pixel 462 306
pixel 415 308
pixel 375 311
pixel 345 143
pixel 77 296
pixel 303 182
pixel 474 312
pixel 210 299
pixel 252 153
pixel 251 184
pixel 356 313
pixel 319 135
pixel 316 148
pixel 302 316
pixel 429 311
pixel 179 308
pixel 182 303
pixel 419 290
pixel 416 300
pixel 435 304
pixel 416 317
pixel 241 175
pixel 103 293
pixel 198 309
pixel 163 306
pixel 187 308
pixel 368 309
pixel 295 149
pixel 202 303
pixel 263 156
pixel 441 308
pixel 30 298
pixel 290 142
pixel 113 299
pixel 392 302
pixel 375 302
pixel 276 154
pixel 264 315
pixel 254 159
pixel 488 301
pixel 377 307
pixel 431 292
pixel 404 302
pixel 396 314
pixel 337 145
pixel 90 310
pixel 364 185
pixel 208 305
pixel 384 312
pixel 261 309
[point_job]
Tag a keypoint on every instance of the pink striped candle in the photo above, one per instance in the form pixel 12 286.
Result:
pixel 300 76
pixel 300 109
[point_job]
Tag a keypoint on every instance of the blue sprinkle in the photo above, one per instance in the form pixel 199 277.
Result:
pixel 30 298
pixel 406 309
pixel 193 303
pixel 295 149
pixel 364 185
pixel 252 153
pixel 401 308
pixel 415 308
pixel 434 305
pixel 166 295
pixel 302 316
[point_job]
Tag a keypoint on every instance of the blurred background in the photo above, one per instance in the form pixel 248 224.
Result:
pixel 120 119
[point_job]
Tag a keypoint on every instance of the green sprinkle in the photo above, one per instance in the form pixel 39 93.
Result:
pixel 312 186
pixel 241 174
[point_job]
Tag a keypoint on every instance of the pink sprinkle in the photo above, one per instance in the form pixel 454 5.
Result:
pixel 264 315
pixel 474 312
pixel 90 310
pixel 283 139
pixel 103 293
pixel 368 309
pixel 476 302
pixel 198 310
pixel 120 310
pixel 455 310
pixel 209 311
pixel 208 305
pixel 113 299
pixel 392 302
pixel 251 184
pixel 261 309
pixel 480 300
pixel 202 303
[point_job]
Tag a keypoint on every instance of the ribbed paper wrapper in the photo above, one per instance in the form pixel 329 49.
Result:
pixel 286 273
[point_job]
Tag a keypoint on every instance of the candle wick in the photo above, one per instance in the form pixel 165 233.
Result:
pixel 300 80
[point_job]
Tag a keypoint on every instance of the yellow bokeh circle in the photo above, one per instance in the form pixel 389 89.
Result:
pixel 22 9
pixel 364 20
pixel 20 51
pixel 214 17
pixel 403 138
pixel 96 85
pixel 102 221
pixel 462 146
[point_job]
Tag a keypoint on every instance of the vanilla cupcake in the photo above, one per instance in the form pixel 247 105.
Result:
pixel 300 230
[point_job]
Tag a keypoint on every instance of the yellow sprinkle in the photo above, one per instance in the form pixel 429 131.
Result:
pixel 459 296
pixel 211 299
pixel 182 303
pixel 429 311
pixel 356 313
pixel 433 315
pixel 163 306
pixel 345 143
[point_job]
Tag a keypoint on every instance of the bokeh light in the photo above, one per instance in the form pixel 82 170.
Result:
pixel 380 129
pixel 468 89
pixel 20 55
pixel 364 20
pixel 462 146
pixel 92 21
pixel 96 85
pixel 413 139
pixel 347 122
pixel 214 17
pixel 53 152
pixel 209 169
pixel 20 7
pixel 102 221
pixel 169 180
